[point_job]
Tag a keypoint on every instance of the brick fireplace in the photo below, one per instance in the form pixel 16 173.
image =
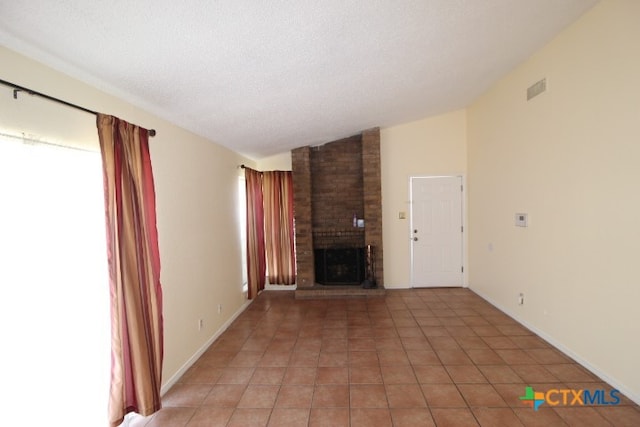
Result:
pixel 332 183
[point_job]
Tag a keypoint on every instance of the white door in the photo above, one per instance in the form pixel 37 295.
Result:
pixel 436 231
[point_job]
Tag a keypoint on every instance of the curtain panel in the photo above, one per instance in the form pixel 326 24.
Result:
pixel 134 269
pixel 277 189
pixel 256 266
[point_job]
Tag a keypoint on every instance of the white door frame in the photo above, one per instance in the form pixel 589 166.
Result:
pixel 463 212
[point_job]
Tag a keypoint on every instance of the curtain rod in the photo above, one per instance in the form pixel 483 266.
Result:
pixel 18 88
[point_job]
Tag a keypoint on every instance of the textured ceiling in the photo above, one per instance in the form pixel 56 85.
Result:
pixel 262 77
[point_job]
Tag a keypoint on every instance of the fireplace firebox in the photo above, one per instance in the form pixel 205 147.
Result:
pixel 340 266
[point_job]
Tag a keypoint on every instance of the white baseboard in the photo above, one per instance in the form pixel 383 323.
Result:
pixel 396 286
pixel 408 286
pixel 270 287
pixel 606 377
pixel 174 379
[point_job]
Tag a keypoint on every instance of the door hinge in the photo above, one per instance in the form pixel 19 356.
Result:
pixel 462 268
pixel 462 228
pixel 461 188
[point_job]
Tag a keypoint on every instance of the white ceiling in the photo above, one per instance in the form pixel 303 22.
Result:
pixel 262 77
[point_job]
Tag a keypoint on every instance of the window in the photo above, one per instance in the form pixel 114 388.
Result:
pixel 54 307
pixel 242 218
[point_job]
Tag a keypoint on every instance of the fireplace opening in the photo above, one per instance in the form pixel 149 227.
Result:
pixel 340 266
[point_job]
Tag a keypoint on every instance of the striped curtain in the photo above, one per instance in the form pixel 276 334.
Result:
pixel 277 190
pixel 255 232
pixel 134 270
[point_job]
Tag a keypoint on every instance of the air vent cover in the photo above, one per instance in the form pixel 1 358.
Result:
pixel 536 89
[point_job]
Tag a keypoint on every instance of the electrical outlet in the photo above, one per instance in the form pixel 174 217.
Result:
pixel 200 324
pixel 521 299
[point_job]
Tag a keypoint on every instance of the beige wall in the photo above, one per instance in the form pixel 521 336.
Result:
pixel 281 162
pixel 570 159
pixel 431 146
pixel 196 193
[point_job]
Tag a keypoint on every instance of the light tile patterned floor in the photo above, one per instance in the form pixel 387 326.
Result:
pixel 419 357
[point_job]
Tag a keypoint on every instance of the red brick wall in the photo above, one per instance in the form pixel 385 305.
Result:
pixel 301 172
pixel 336 184
pixel 372 196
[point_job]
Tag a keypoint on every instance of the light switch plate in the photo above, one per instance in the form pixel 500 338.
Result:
pixel 521 220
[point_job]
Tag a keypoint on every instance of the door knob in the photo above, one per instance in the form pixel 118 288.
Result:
pixel 415 239
pixel 415 231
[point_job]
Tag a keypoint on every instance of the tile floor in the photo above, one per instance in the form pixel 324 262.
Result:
pixel 422 357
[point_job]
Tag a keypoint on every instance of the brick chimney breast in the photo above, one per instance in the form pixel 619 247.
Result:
pixel 332 183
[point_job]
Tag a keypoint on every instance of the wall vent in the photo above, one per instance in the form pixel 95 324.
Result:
pixel 536 89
